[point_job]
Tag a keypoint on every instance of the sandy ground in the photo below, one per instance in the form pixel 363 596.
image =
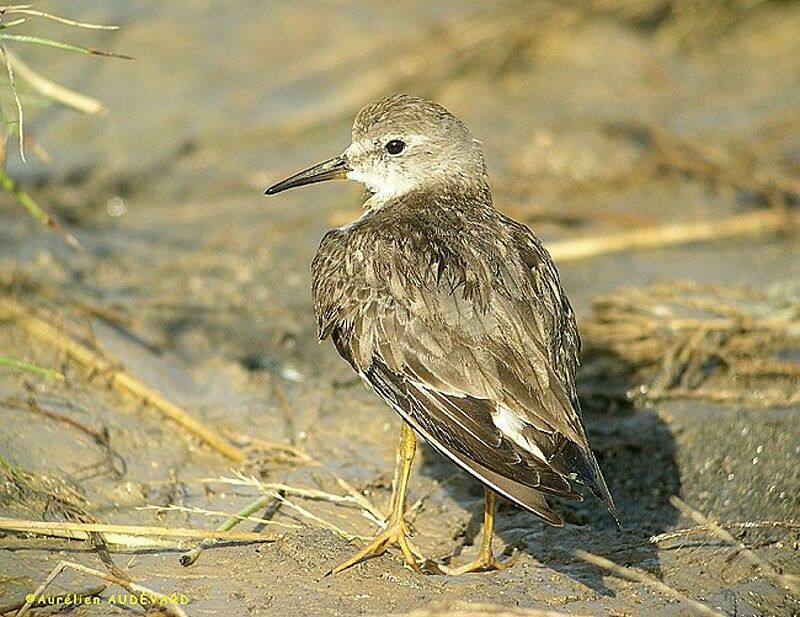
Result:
pixel 165 192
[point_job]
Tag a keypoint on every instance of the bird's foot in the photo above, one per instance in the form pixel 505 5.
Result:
pixel 396 533
pixel 485 562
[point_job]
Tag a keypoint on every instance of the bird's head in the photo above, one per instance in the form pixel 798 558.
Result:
pixel 401 144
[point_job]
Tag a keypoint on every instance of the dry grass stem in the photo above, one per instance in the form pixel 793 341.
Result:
pixel 26 10
pixel 310 493
pixel 368 509
pixel 766 398
pixel 687 340
pixel 20 115
pixel 356 499
pixel 742 225
pixel 203 512
pixel 637 576
pixel 164 601
pixel 25 317
pixel 278 491
pixel 735 166
pixel 298 455
pixel 61 528
pixel 121 542
pixel 704 529
pixel 313 517
pixel 293 453
pixel 786 581
pixel 56 92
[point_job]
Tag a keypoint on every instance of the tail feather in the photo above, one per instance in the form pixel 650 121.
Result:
pixel 516 492
pixel 572 459
pixel 524 496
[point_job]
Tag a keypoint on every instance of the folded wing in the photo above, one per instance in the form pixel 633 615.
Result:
pixel 479 358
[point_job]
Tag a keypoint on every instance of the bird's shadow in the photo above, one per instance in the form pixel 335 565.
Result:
pixel 636 451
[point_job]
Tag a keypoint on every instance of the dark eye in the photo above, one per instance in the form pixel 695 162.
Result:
pixel 395 146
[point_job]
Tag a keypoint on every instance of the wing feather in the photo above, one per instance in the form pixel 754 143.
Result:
pixel 477 352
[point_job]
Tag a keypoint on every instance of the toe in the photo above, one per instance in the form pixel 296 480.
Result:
pixel 396 534
pixel 484 563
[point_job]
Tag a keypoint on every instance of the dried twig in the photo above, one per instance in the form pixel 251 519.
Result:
pixel 119 379
pixel 716 164
pixel 638 576
pixel 278 491
pixel 313 517
pixel 786 581
pixel 20 115
pixel 685 340
pixel 741 225
pixel 26 10
pixel 56 92
pixel 100 436
pixel 309 493
pixel 356 499
pixel 703 529
pixel 161 599
pixel 682 534
pixel 371 511
pixel 239 517
pixel 777 397
pixel 79 530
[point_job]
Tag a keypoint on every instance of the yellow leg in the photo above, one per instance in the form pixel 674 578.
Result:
pixel 485 560
pixel 396 531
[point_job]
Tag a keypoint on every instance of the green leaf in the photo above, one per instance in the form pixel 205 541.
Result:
pixel 37 40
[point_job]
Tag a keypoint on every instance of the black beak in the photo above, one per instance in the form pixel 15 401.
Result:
pixel 333 169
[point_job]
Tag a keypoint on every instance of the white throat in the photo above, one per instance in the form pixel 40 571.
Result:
pixel 383 188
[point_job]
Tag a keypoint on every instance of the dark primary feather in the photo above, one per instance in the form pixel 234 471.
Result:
pixel 454 313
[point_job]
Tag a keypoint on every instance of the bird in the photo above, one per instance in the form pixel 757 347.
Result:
pixel 454 314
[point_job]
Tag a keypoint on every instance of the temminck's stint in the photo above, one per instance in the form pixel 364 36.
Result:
pixel 454 314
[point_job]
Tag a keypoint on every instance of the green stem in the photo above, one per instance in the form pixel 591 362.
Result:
pixel 189 557
pixel 11 24
pixel 7 184
pixel 37 40
pixel 29 368
pixel 34 209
